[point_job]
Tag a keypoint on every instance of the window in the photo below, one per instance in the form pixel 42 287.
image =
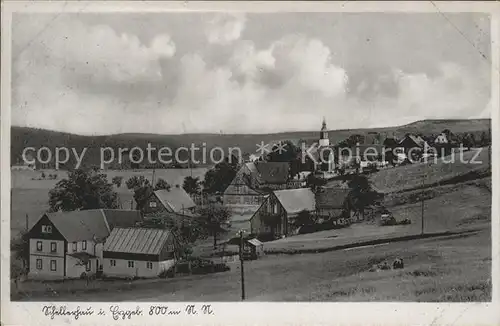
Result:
pixel 75 248
pixel 152 204
pixel 53 247
pixel 46 228
pixel 88 266
pixel 84 245
pixel 112 262
pixel 39 264
pixel 149 265
pixel 53 266
pixel 130 264
pixel 39 246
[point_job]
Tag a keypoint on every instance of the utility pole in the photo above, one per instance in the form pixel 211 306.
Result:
pixel 27 223
pixel 242 270
pixel 423 200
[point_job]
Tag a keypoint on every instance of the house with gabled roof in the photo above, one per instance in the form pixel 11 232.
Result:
pixel 173 200
pixel 331 202
pixel 251 184
pixel 138 252
pixel 276 214
pixel 69 244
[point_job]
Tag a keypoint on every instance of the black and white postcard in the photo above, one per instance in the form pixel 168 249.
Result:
pixel 253 163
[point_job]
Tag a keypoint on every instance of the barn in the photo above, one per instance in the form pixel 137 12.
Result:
pixel 138 252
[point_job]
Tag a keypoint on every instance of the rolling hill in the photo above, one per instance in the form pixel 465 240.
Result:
pixel 22 137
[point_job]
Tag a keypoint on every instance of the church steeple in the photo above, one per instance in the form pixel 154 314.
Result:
pixel 323 138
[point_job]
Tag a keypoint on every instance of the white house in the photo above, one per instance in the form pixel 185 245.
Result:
pixel 69 244
pixel 138 252
pixel 441 139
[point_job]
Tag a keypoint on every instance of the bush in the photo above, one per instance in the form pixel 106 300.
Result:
pixel 167 273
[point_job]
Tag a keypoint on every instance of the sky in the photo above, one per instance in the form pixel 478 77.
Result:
pixel 188 72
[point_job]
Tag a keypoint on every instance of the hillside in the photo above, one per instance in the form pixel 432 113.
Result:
pixel 22 137
pixel 433 173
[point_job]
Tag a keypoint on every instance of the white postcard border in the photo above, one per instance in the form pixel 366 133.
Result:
pixel 29 313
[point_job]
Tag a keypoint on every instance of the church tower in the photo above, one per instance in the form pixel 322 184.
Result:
pixel 324 141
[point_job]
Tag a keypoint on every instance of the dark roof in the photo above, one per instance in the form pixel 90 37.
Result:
pixel 272 172
pixel 80 225
pixel 390 142
pixel 137 240
pixel 175 199
pixel 91 224
pixel 419 141
pixel 368 149
pixel 122 218
pixel 296 200
pixel 331 197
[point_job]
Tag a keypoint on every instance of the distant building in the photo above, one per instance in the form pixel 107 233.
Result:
pixel 174 200
pixel 413 143
pixel 252 182
pixel 138 252
pixel 277 213
pixel 331 202
pixel 441 139
pixel 69 244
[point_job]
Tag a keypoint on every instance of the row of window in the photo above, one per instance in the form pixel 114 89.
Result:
pixel 53 246
pixel 53 265
pixel 131 264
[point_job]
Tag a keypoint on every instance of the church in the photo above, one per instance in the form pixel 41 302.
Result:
pixel 325 153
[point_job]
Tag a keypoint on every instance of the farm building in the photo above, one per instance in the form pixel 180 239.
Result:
pixel 173 200
pixel 276 214
pixel 410 142
pixel 69 244
pixel 441 139
pixel 248 188
pixel 331 202
pixel 138 252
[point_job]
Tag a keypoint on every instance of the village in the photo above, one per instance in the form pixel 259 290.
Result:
pixel 267 203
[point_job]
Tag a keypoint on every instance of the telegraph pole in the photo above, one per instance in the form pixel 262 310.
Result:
pixel 242 270
pixel 423 200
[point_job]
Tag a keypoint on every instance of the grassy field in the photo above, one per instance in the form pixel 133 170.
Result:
pixel 452 269
pixel 31 196
pixel 449 208
pixel 414 175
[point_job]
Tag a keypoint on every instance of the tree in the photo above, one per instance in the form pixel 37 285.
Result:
pixel 186 231
pixel 218 178
pixel 142 189
pixel 304 218
pixel 485 141
pixel 287 153
pixel 162 184
pixel 191 185
pixel 117 181
pixel 19 246
pixel 361 194
pixel 215 220
pixel 314 182
pixel 83 190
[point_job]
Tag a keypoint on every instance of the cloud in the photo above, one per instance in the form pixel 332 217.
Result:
pixel 54 69
pixel 96 50
pixel 91 79
pixel 225 28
